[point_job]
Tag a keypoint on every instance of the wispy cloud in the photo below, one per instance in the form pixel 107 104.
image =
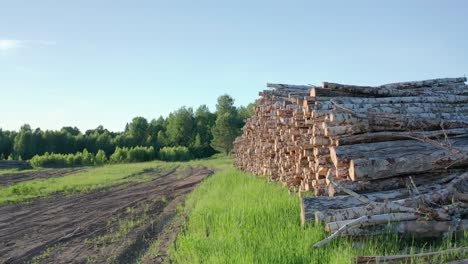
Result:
pixel 7 45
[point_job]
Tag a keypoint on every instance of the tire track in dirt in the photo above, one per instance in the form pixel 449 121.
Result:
pixel 14 178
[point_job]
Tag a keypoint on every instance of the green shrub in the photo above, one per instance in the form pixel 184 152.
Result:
pixel 199 152
pixel 101 157
pixel 88 158
pixel 136 154
pixel 174 154
pixel 119 155
pixel 49 160
pixel 52 160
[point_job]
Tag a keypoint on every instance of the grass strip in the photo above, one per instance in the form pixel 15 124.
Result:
pixel 235 217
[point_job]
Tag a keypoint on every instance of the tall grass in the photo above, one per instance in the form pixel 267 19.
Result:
pixel 234 217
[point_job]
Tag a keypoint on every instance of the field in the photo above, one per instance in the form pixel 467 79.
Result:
pixel 135 213
pixel 92 215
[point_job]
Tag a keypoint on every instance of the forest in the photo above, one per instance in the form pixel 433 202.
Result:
pixel 184 134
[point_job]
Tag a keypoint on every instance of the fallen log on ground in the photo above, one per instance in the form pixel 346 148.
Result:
pixel 408 257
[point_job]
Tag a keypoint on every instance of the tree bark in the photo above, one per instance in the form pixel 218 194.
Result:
pixel 378 164
pixel 424 83
pixel 397 135
pixel 408 258
pixel 369 90
pixel 310 205
pixel 447 99
pixel 372 220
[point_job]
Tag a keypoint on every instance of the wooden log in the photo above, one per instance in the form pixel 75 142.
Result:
pixel 327 216
pixel 372 220
pixel 369 90
pixel 317 91
pixel 446 99
pixel 365 221
pixel 344 154
pixel 419 112
pixel 333 131
pixel 377 122
pixel 411 84
pixel 393 89
pixel 397 135
pixel 409 258
pixel 379 165
pixel 417 121
pixel 424 83
pixel 362 107
pixel 282 86
pixel 310 205
pixel 393 183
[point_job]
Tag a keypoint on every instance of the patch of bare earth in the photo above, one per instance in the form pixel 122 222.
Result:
pixel 14 178
pixel 114 225
pixel 165 238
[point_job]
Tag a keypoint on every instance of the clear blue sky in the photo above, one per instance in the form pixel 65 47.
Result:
pixel 91 62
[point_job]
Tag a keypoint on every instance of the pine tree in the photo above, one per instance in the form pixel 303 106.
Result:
pixel 227 125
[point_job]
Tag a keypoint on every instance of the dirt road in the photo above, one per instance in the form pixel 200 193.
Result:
pixel 114 225
pixel 14 178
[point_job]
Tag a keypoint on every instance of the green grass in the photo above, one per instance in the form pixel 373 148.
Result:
pixel 91 179
pixel 235 217
pixel 39 259
pixel 219 162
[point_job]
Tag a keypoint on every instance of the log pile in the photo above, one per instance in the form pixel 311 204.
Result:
pixel 339 139
pixel 14 164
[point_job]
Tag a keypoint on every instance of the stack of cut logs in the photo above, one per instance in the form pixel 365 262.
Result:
pixel 346 139
pixel 14 164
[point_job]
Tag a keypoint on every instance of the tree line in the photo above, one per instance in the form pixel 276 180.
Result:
pixel 200 131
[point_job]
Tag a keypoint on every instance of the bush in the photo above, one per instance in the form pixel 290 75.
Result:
pixel 119 155
pixel 101 157
pixel 49 160
pixel 174 154
pixel 136 154
pixel 88 158
pixel 52 160
pixel 199 152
